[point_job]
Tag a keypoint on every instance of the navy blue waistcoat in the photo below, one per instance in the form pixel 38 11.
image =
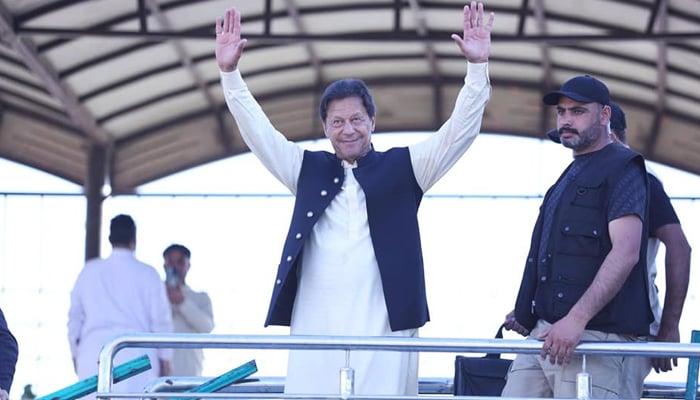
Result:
pixel 8 354
pixel 393 197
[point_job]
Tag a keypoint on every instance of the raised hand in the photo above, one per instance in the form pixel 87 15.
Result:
pixel 475 42
pixel 229 45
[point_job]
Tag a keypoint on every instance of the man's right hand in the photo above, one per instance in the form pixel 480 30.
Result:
pixel 512 325
pixel 175 295
pixel 229 45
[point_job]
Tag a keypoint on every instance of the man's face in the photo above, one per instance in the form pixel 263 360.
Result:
pixel 582 126
pixel 177 259
pixel 349 128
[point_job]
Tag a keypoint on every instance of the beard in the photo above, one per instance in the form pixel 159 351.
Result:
pixel 582 140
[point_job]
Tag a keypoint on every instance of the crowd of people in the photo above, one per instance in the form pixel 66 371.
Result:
pixel 352 262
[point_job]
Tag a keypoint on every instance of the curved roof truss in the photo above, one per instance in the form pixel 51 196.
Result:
pixel 129 89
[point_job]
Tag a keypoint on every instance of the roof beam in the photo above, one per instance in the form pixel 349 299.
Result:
pixel 267 17
pixel 199 81
pixel 382 36
pixel 546 58
pixel 431 58
pixel 661 79
pixel 314 60
pixel 522 17
pixel 26 50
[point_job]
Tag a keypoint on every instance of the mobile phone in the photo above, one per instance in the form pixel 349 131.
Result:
pixel 171 278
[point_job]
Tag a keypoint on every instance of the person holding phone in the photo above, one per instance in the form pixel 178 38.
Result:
pixel 191 310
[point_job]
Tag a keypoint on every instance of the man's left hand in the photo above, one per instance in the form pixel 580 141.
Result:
pixel 666 364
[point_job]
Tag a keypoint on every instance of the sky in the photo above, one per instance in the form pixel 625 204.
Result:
pixel 475 223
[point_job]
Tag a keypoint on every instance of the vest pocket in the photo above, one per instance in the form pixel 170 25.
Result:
pixel 564 296
pixel 588 196
pixel 580 238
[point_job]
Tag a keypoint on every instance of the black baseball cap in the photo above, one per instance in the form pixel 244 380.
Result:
pixel 553 135
pixel 617 117
pixel 583 88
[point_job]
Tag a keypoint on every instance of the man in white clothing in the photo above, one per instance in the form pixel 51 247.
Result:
pixel 352 262
pixel 191 311
pixel 115 296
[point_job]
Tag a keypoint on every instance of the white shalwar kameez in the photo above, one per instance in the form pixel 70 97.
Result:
pixel 340 289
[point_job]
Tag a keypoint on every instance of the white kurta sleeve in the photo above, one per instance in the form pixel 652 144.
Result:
pixel 279 155
pixel 433 157
pixel 197 311
pixel 160 315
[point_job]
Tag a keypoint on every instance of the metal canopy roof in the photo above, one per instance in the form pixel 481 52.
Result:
pixel 130 88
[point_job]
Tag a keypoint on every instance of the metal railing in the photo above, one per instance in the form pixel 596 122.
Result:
pixel 426 386
pixel 349 344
